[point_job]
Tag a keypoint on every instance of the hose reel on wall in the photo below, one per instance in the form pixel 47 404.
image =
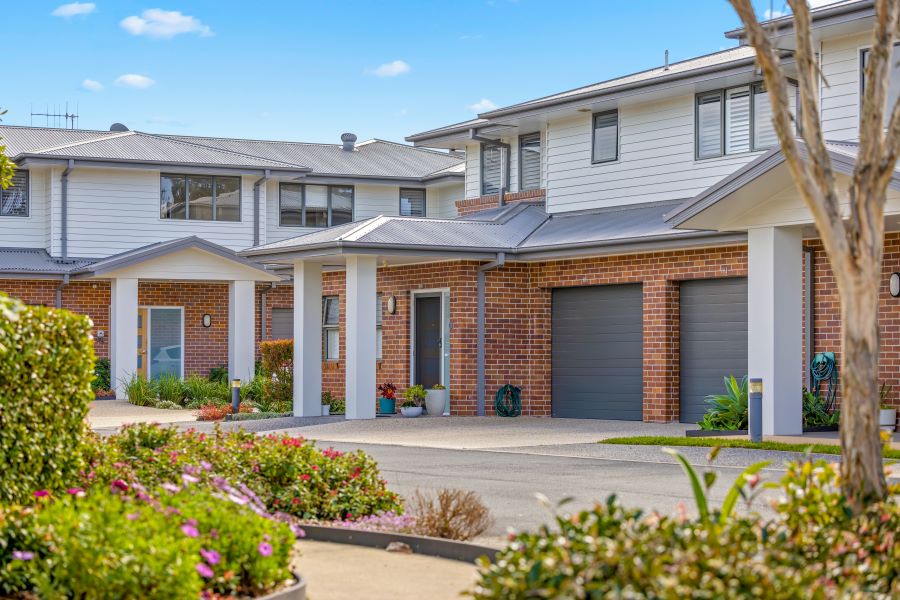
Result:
pixel 507 401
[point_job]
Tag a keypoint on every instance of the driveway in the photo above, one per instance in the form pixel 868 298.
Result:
pixel 104 414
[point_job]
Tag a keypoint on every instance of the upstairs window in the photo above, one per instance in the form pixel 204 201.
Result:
pixel 491 159
pixel 199 197
pixel 735 120
pixel 331 336
pixel 530 161
pixel 412 203
pixel 305 205
pixel 14 199
pixel 894 85
pixel 605 137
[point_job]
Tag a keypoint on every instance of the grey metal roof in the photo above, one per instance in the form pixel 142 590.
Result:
pixel 36 261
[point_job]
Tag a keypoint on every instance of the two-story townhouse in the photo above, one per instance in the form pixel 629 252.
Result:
pixel 621 248
pixel 140 232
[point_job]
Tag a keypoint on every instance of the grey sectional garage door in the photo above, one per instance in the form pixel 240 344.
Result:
pixel 597 336
pixel 713 340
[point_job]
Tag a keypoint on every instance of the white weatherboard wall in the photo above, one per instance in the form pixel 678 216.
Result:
pixel 115 210
pixel 841 65
pixel 30 231
pixel 656 159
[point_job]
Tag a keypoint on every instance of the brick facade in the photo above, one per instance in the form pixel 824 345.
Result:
pixel 468 206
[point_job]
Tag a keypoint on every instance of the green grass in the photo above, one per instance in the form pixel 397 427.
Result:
pixel 709 442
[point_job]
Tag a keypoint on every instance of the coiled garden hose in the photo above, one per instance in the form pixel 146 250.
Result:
pixel 823 368
pixel 507 402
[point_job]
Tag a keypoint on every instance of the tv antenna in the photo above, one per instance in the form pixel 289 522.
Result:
pixel 57 117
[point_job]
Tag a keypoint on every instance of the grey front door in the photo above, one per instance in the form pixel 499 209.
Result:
pixel 597 352
pixel 713 340
pixel 428 341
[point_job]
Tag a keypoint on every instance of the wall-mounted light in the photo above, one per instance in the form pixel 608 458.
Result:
pixel 207 320
pixel 895 284
pixel 392 305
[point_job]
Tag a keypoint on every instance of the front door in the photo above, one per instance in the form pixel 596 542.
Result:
pixel 428 341
pixel 160 342
pixel 142 342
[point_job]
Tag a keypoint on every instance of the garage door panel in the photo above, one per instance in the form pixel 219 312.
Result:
pixel 713 340
pixel 597 348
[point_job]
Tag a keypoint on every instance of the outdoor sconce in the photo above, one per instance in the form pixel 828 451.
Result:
pixel 895 284
pixel 392 305
pixel 207 320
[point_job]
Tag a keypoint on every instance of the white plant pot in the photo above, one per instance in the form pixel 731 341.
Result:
pixel 411 411
pixel 435 402
pixel 887 418
pixel 326 410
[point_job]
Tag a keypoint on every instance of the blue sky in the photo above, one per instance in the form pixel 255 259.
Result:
pixel 310 70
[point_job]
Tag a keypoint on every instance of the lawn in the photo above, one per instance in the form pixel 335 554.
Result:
pixel 709 442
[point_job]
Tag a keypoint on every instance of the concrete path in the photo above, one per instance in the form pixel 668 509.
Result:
pixel 115 413
pixel 345 572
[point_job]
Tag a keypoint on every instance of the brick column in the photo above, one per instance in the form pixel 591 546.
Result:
pixel 661 358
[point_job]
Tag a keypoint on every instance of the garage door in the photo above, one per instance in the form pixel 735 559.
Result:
pixel 282 323
pixel 713 340
pixel 597 337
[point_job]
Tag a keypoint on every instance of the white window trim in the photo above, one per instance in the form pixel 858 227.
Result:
pixel 618 156
pixel 30 214
pixel 187 210
pixel 327 327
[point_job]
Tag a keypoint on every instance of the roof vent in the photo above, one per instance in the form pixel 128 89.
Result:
pixel 118 127
pixel 349 140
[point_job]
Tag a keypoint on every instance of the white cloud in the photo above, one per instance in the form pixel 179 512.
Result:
pixel 91 85
pixel 392 69
pixel 164 24
pixel 482 105
pixel 74 8
pixel 134 80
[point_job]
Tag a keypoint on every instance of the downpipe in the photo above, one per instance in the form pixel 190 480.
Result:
pixel 64 211
pixel 481 317
pixel 256 219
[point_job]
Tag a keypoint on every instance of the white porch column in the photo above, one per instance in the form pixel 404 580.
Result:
pixel 775 336
pixel 307 339
pixel 360 341
pixel 123 346
pixel 241 329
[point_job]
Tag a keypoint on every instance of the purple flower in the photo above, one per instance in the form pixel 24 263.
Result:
pixel 206 466
pixel 210 556
pixel 75 491
pixel 41 494
pixel 133 516
pixel 170 487
pixel 188 479
pixel 22 555
pixel 204 570
pixel 118 486
pixel 189 530
pixel 264 549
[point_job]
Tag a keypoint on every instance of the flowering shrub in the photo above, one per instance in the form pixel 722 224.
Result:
pixel 277 368
pixel 813 548
pixel 288 474
pixel 174 543
pixel 217 412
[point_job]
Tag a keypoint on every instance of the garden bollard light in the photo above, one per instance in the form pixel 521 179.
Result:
pixel 235 396
pixel 755 410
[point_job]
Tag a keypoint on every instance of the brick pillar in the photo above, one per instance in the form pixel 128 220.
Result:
pixel 661 358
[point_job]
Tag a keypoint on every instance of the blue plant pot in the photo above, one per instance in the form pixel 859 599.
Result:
pixel 387 406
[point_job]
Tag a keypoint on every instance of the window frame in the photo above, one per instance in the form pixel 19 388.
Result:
pixel 499 149
pixel 215 193
pixel 328 204
pixel 862 80
pixel 27 187
pixel 594 160
pixel 723 95
pixel 329 327
pixel 537 134
pixel 424 201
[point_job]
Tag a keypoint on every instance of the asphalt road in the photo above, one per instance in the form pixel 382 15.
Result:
pixel 508 481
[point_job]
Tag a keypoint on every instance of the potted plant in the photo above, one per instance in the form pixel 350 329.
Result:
pixel 412 406
pixel 887 416
pixel 436 400
pixel 387 404
pixel 326 403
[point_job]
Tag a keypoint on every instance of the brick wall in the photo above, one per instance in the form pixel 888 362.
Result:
pixel 471 205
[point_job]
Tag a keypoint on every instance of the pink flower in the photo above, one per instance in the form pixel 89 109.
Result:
pixel 206 466
pixel 189 530
pixel 22 555
pixel 118 486
pixel 210 556
pixel 304 477
pixel 264 549
pixel 41 494
pixel 188 478
pixel 204 570
pixel 170 487
pixel 133 516
pixel 76 491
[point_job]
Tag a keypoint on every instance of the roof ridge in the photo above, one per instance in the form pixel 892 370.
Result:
pixel 223 150
pixel 109 136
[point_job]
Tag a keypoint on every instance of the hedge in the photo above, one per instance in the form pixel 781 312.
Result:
pixel 46 369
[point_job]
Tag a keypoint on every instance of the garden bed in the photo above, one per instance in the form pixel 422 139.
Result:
pixel 737 432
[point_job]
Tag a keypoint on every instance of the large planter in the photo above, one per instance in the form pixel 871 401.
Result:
pixel 326 410
pixel 887 419
pixel 435 402
pixel 387 406
pixel 411 411
pixel 295 591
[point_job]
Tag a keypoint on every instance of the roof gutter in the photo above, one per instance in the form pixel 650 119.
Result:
pixel 785 24
pixel 64 211
pixel 481 318
pixel 266 174
pixel 504 169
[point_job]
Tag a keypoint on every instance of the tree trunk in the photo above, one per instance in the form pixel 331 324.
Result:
pixel 862 470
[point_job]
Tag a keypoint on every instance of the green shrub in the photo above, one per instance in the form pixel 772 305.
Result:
pixel 101 380
pixel 219 374
pixel 289 474
pixel 414 395
pixel 815 414
pixel 253 391
pixel 46 369
pixel 140 391
pixel 169 389
pixel 728 411
pixel 338 406
pixel 153 543
pixel 277 369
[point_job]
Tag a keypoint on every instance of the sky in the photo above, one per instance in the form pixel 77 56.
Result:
pixel 309 70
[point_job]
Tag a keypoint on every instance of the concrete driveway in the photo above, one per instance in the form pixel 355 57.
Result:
pixel 105 414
